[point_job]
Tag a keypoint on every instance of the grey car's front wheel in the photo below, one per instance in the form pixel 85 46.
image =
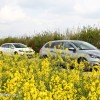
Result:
pixel 86 64
pixel 81 59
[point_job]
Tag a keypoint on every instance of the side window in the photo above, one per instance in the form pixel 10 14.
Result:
pixel 57 45
pixel 53 45
pixel 5 46
pixel 47 45
pixel 67 45
pixel 10 46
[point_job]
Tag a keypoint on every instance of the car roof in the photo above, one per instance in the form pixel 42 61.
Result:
pixel 66 41
pixel 12 43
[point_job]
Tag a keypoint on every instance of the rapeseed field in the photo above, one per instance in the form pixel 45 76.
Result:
pixel 23 78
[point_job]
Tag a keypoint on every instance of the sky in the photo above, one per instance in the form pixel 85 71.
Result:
pixel 29 17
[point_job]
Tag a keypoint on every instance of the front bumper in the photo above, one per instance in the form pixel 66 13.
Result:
pixel 94 61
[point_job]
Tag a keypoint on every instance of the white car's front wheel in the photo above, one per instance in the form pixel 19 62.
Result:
pixel 15 53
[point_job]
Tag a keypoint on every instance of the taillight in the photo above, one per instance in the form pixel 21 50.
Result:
pixel 41 50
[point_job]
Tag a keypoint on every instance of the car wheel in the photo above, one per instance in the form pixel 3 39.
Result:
pixel 44 56
pixel 15 53
pixel 86 64
pixel 81 59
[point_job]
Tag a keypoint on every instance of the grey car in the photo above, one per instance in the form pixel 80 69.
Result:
pixel 76 49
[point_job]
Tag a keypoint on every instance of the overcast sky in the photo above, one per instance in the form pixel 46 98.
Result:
pixel 24 17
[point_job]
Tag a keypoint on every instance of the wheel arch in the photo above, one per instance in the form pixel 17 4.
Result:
pixel 81 59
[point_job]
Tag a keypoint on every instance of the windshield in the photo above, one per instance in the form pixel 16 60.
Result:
pixel 20 45
pixel 84 45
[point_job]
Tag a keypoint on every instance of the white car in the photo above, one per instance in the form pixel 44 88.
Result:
pixel 15 48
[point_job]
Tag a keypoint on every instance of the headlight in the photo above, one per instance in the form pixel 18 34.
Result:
pixel 94 56
pixel 31 50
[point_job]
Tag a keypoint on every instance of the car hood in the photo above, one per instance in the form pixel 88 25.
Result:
pixel 94 52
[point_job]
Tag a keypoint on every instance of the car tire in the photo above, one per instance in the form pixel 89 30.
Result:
pixel 45 56
pixel 15 53
pixel 81 59
pixel 86 64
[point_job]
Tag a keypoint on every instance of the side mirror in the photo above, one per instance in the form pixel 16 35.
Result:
pixel 72 49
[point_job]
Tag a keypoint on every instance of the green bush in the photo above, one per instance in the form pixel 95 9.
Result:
pixel 88 34
pixel 35 42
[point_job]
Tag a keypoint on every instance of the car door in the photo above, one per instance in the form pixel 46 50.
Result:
pixel 69 50
pixel 56 48
pixel 10 49
pixel 6 49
